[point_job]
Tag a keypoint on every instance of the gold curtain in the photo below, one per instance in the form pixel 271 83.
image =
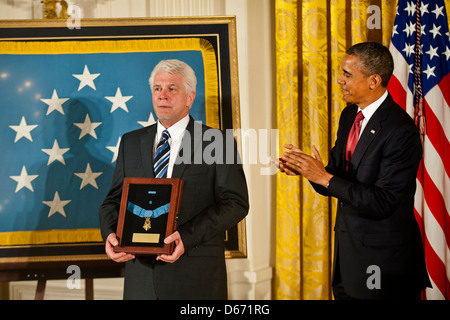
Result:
pixel 311 39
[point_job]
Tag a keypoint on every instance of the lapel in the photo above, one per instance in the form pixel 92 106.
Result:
pixel 373 128
pixel 190 145
pixel 147 141
pixel 192 140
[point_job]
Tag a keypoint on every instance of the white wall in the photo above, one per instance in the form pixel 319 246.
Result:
pixel 249 278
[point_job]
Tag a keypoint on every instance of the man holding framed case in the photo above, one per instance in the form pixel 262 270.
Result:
pixel 214 198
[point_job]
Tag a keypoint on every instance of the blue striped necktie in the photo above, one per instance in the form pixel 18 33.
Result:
pixel 162 154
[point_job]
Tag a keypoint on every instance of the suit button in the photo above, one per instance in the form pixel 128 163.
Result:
pixel 341 204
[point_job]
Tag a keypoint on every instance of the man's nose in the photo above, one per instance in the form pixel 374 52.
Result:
pixel 163 94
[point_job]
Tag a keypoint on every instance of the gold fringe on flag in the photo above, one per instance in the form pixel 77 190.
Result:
pixel 50 236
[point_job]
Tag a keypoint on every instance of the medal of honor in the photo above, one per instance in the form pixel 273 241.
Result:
pixel 147 214
pixel 147 224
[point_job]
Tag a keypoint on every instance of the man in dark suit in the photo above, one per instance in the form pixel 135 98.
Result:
pixel 214 197
pixel 378 251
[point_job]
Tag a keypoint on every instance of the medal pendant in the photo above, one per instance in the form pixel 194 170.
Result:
pixel 147 225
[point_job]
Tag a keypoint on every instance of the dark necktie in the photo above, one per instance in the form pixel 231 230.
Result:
pixel 353 137
pixel 162 155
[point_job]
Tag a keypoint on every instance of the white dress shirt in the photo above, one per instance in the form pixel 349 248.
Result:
pixel 370 110
pixel 176 136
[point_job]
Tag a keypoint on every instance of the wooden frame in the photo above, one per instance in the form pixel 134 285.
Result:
pixel 136 232
pixel 220 32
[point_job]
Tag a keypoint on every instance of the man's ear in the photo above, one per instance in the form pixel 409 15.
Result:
pixel 191 98
pixel 374 81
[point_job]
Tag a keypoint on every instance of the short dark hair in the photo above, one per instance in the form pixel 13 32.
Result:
pixel 375 59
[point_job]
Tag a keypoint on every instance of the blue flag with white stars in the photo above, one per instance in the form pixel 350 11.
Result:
pixel 62 117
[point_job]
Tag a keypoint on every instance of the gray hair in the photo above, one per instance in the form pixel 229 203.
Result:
pixel 174 66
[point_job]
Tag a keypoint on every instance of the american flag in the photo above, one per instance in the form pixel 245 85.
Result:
pixel 420 46
pixel 62 117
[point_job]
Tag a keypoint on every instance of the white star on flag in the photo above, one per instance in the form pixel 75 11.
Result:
pixel 411 9
pixel 409 49
pixel 87 127
pixel 55 103
pixel 86 79
pixel 409 30
pixel 424 8
pixel 430 71
pixel 56 205
pixel 435 30
pixel 24 180
pixel 119 101
pixel 56 153
pixel 447 53
pixel 150 121
pixel 88 177
pixel 115 150
pixel 432 52
pixel 23 130
pixel 438 11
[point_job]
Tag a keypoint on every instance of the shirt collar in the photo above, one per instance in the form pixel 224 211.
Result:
pixel 176 131
pixel 371 108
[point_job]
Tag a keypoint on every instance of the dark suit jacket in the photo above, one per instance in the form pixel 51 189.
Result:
pixel 375 223
pixel 215 198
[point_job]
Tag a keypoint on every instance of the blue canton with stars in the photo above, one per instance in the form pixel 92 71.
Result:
pixel 435 40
